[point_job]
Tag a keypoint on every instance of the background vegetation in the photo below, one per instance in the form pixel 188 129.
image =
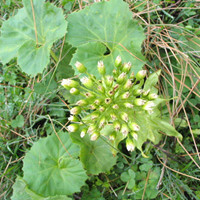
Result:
pixel 31 108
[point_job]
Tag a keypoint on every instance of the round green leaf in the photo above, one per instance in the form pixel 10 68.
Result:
pixel 51 169
pixel 18 35
pixel 103 31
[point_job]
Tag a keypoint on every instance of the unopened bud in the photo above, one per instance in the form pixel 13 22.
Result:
pixel 97 102
pixel 94 115
pixel 116 87
pixel 126 68
pixel 111 93
pixel 108 100
pixel 132 76
pixel 102 122
pixel 134 135
pixel 75 110
pixel 101 109
pixel 81 102
pixel 109 81
pixel 137 92
pixel 87 82
pixel 94 136
pixel 115 73
pixel 74 91
pixel 134 127
pixel 101 68
pixel 125 95
pixel 83 132
pixel 128 84
pixel 141 74
pixel 149 106
pixel 89 95
pixel 139 102
pixel 145 93
pixel 116 125
pixel 73 118
pixel 73 127
pixel 118 61
pixel 124 130
pixel 92 106
pixel 152 96
pixel 128 105
pixel 91 129
pixel 124 116
pixel 130 145
pixel 115 106
pixel 80 67
pixel 69 83
pixel 112 136
pixel 101 89
pixel 113 116
pixel 121 78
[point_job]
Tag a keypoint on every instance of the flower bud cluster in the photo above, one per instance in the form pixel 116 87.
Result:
pixel 110 100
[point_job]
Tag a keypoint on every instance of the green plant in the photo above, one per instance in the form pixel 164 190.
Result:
pixel 114 144
pixel 119 106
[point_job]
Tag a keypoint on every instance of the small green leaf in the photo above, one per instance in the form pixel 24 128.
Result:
pixel 152 81
pixel 129 177
pixel 147 166
pixel 18 121
pixel 20 39
pixel 166 128
pixel 102 33
pixel 51 168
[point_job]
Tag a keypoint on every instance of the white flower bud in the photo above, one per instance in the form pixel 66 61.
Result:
pixel 101 68
pixel 118 61
pixel 121 78
pixel 134 127
pixel 128 105
pixel 124 116
pixel 141 74
pixel 135 136
pixel 73 118
pixel 75 111
pixel 139 102
pixel 80 67
pixel 124 130
pixel 74 91
pixel 81 102
pixel 83 132
pixel 73 127
pixel 115 106
pixel 126 68
pixel 130 145
pixel 125 95
pixel 87 82
pixel 128 84
pixel 69 83
pixel 94 136
pixel 152 96
pixel 145 93
pixel 149 106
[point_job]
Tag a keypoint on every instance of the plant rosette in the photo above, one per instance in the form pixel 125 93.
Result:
pixel 121 106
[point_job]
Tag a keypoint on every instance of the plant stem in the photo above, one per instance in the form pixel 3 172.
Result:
pixel 53 55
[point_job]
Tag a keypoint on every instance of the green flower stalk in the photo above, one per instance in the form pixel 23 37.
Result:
pixel 123 101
